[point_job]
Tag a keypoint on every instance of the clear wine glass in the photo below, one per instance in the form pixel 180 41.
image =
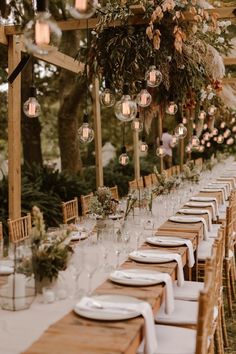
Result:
pixel 91 260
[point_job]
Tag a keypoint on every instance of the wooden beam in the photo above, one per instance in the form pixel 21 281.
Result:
pixel 229 61
pixel 3 37
pixel 229 80
pixel 98 133
pixel 136 155
pixel 14 131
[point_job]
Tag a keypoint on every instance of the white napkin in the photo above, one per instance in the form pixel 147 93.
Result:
pixel 223 186
pixel 207 199
pixel 203 205
pixel 230 179
pixel 214 189
pixel 160 277
pixel 188 243
pixel 198 212
pixel 185 218
pixel 142 307
pixel 227 184
pixel 170 256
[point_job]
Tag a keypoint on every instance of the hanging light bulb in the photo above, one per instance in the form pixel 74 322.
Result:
pixel 126 108
pixel 137 124
pixel 215 132
pixel 220 139
pixel 174 141
pixel 160 151
pixel 194 126
pixel 85 133
pixel 222 125
pixel 31 107
pixel 180 131
pixel 230 141
pixel 184 120
pixel 42 34
pixel 153 76
pixel 208 144
pixel 211 110
pixel 206 136
pixel 227 133
pixel 201 148
pixel 205 126
pixel 172 108
pixel 202 114
pixel 123 158
pixel 194 141
pixel 188 148
pixel 107 97
pixel 203 141
pixel 144 98
pixel 82 9
pixel 233 120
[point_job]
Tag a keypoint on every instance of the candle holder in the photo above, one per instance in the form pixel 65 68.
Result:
pixel 18 291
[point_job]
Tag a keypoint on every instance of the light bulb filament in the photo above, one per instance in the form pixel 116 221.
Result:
pixel 42 33
pixel 81 5
pixel 85 132
pixel 171 109
pixel 107 98
pixel 144 99
pixel 152 76
pixel 32 109
pixel 136 125
pixel 125 109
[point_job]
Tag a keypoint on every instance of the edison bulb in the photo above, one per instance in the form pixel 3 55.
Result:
pixel 42 35
pixel 160 151
pixel 174 141
pixel 123 158
pixel 206 136
pixel 180 131
pixel 234 129
pixel 194 141
pixel 215 132
pixel 82 9
pixel 202 115
pixel 125 109
pixel 184 121
pixel 85 133
pixel 137 125
pixel 144 98
pixel 32 108
pixel 107 98
pixel 230 141
pixel 153 76
pixel 212 110
pixel 222 125
pixel 227 133
pixel 208 144
pixel 143 146
pixel 172 108
pixel 220 139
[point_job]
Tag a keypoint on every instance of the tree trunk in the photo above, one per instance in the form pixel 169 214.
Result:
pixel 31 127
pixel 72 92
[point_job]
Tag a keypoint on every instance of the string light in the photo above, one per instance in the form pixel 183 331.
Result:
pixel 160 151
pixel 143 145
pixel 42 34
pixel 211 110
pixel 31 107
pixel 153 76
pixel 180 131
pixel 137 124
pixel 171 108
pixel 144 98
pixel 82 9
pixel 194 141
pixel 126 108
pixel 220 139
pixel 107 97
pixel 85 133
pixel 202 114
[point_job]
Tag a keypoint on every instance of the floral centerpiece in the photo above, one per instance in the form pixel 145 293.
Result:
pixel 191 172
pixel 102 204
pixel 48 256
pixel 130 203
pixel 164 184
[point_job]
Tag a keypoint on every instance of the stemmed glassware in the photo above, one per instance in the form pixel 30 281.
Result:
pixel 91 261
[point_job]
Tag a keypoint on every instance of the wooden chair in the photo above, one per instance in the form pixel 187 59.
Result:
pixel 114 192
pixel 140 183
pixel 133 185
pixel 177 169
pixel 85 203
pixel 148 181
pixel 19 229
pixel 70 211
pixel 154 178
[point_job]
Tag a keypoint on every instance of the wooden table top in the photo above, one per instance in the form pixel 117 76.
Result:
pixel 75 334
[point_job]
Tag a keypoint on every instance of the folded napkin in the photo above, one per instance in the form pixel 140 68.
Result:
pixel 141 307
pixel 188 243
pixel 198 212
pixel 194 219
pixel 214 189
pixel 227 185
pixel 224 187
pixel 171 257
pixel 203 205
pixel 230 179
pixel 160 277
pixel 207 199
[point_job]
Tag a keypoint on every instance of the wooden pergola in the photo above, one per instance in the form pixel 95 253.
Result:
pixel 11 36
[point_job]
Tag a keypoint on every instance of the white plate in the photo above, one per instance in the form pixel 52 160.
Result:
pixel 192 212
pixel 77 235
pixel 137 277
pixel 203 199
pixel 107 314
pixel 164 241
pixel 182 219
pixel 196 204
pixel 149 256
pixel 116 216
pixel 6 269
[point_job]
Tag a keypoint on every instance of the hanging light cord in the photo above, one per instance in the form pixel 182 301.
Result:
pixel 86 65
pixel 123 134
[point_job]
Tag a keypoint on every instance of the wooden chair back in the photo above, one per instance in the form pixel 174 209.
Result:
pixel 168 172
pixel 229 234
pixel 85 203
pixel 114 192
pixel 140 183
pixel 133 185
pixel 148 181
pixel 177 169
pixel 154 178
pixel 19 229
pixel 70 211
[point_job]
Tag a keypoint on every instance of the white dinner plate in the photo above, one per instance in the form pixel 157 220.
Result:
pixel 149 256
pixel 136 277
pixel 203 199
pixel 165 241
pixel 182 219
pixel 77 235
pixel 6 267
pixel 200 204
pixel 116 216
pixel 108 314
pixel 192 212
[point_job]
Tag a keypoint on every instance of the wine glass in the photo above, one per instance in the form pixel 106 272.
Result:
pixel 91 259
pixel 78 263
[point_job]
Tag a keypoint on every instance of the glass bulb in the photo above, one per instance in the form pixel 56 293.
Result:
pixel 227 133
pixel 123 159
pixel 180 131
pixel 215 132
pixel 188 148
pixel 137 125
pixel 144 98
pixel 160 151
pixel 234 129
pixel 143 146
pixel 184 121
pixel 107 98
pixel 85 133
pixel 233 120
pixel 211 110
pixel 172 108
pixel 32 108
pixel 230 141
pixel 205 126
pixel 153 76
pixel 82 9
pixel 206 136
pixel 194 141
pixel 208 144
pixel 126 109
pixel 220 139
pixel 202 115
pixel 42 35
pixel 222 125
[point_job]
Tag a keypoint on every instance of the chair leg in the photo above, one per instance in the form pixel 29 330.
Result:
pixel 232 282
pixel 224 329
pixel 228 288
pixel 218 338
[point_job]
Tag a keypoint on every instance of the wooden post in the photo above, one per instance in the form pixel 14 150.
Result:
pixel 181 147
pixel 161 164
pixel 14 131
pixel 98 133
pixel 136 155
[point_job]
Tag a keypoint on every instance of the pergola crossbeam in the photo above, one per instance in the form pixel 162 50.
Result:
pixel 3 37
